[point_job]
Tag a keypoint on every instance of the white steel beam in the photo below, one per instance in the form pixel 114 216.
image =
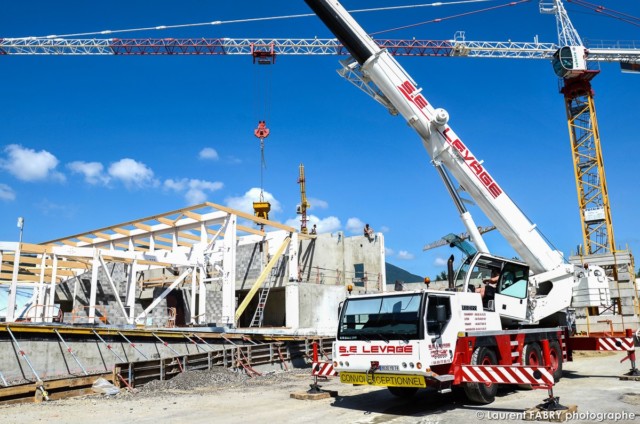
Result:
pixel 131 290
pixel 229 271
pixel 164 294
pixel 11 301
pixel 114 288
pixel 192 301
pixel 52 287
pixel 40 309
pixel 202 297
pixel 95 264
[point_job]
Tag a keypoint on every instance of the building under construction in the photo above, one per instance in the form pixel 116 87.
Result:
pixel 203 280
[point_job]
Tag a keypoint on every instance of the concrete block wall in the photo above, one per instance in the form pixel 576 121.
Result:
pixel 214 303
pixel 249 264
pixel 106 298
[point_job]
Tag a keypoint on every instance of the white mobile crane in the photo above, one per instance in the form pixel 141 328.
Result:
pixel 408 340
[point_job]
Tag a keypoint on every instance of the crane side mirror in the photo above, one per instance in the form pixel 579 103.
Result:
pixel 441 314
pixel 450 272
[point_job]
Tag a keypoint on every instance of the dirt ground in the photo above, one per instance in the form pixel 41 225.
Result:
pixel 590 382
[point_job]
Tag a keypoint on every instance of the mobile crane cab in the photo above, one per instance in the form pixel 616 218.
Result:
pixel 508 292
pixel 508 296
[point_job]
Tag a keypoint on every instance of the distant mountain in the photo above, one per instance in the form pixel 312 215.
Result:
pixel 395 273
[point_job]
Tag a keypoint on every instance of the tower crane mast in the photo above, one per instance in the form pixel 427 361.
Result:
pixel 571 67
pixel 304 203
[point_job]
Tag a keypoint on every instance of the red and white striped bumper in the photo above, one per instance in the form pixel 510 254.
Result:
pixel 616 343
pixel 503 374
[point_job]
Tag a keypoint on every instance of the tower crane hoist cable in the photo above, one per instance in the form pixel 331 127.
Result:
pixel 262 55
pixel 248 20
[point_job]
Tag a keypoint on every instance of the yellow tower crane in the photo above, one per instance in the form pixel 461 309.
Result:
pixel 304 204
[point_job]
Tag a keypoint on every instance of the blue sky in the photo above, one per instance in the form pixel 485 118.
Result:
pixel 87 142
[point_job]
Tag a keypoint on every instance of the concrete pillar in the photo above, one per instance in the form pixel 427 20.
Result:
pixel 292 308
pixel 383 268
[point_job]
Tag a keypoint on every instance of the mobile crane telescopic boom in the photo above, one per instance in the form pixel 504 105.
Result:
pixel 394 88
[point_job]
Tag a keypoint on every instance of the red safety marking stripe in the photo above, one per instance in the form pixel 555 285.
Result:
pixel 323 368
pixel 615 343
pixel 503 374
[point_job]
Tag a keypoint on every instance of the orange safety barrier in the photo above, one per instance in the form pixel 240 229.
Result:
pixel 57 317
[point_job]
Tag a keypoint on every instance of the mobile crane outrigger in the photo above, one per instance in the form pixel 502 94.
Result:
pixel 408 340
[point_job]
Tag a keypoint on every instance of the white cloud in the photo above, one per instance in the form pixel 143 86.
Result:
pixel 318 204
pixel 384 229
pixel 28 165
pixel 355 225
pixel 389 251
pixel 195 191
pixel 93 171
pixel 6 193
pixel 244 203
pixel 439 261
pixel 324 225
pixel 132 173
pixel 404 255
pixel 208 153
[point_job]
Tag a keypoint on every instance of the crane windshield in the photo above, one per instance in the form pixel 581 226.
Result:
pixel 381 318
pixel 461 275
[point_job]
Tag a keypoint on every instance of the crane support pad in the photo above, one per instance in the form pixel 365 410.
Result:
pixel 507 374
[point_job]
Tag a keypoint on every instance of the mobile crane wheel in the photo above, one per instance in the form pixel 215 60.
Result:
pixel 556 359
pixel 482 393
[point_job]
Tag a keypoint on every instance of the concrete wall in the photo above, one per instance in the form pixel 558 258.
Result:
pixel 314 307
pixel 50 357
pixel 331 259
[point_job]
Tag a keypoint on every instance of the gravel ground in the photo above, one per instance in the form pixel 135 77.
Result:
pixel 217 379
pixel 220 395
